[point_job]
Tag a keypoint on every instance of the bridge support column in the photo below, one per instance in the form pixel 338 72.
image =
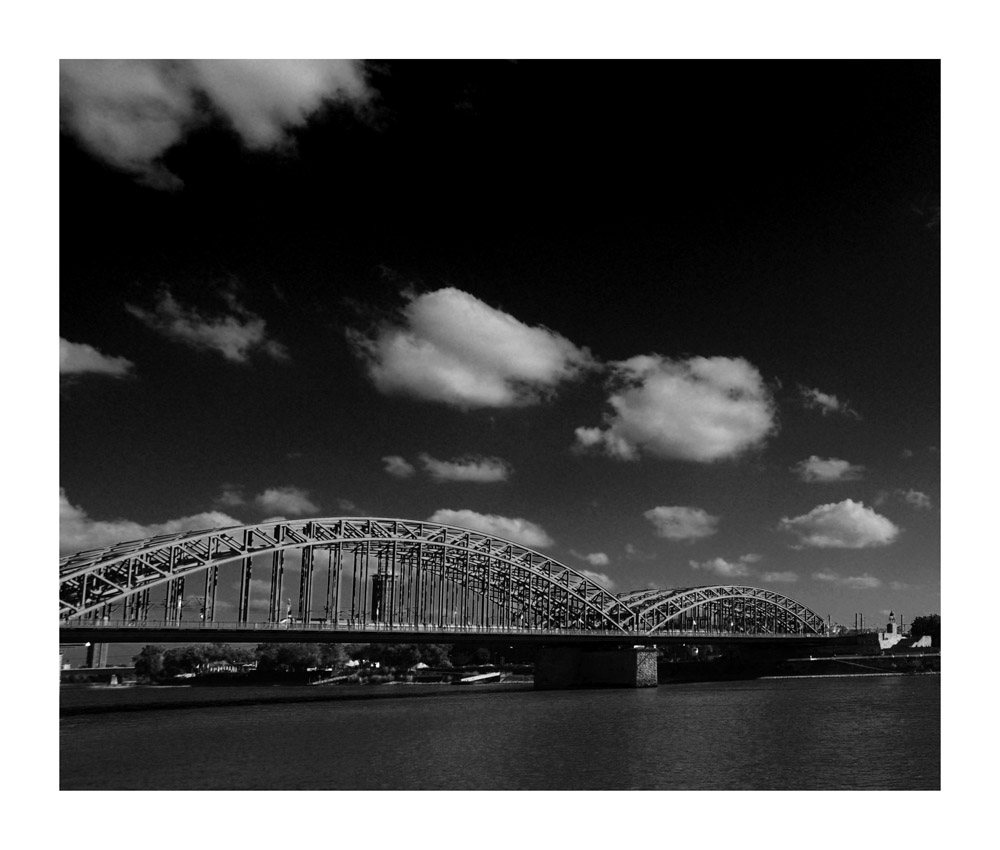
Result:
pixel 582 667
pixel 97 655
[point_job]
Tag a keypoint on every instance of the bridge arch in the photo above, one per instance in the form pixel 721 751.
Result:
pixel 725 608
pixel 397 569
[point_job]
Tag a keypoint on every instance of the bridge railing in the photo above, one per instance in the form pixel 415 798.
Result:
pixel 321 626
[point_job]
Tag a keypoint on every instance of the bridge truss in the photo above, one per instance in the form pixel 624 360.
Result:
pixel 390 572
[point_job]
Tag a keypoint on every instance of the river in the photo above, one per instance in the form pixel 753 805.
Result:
pixel 864 732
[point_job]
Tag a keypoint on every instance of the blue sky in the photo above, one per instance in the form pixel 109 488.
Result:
pixel 668 322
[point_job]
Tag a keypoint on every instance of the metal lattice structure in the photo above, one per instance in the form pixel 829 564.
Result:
pixel 396 573
pixel 734 609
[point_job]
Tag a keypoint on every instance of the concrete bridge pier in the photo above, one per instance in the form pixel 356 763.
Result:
pixel 560 667
pixel 97 655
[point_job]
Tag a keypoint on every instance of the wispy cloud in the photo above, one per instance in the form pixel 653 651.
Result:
pixel 826 470
pixel 782 576
pixel 814 399
pixel 682 523
pixel 77 358
pixel 862 582
pixel 600 578
pixel 726 569
pixel 918 500
pixel 290 501
pixel 235 334
pixel 480 470
pixel 130 112
pixel 516 529
pixel 844 525
pixel 398 467
pixel 702 409
pixel 448 346
pixel 595 559
pixel 78 531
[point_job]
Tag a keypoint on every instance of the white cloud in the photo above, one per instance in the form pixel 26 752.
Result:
pixel 131 112
pixel 862 582
pixel 595 559
pixel 843 525
pixel 452 348
pixel 702 409
pixel 723 568
pixel 921 501
pixel 235 335
pixel 78 532
pixel 599 578
pixel 398 466
pixel 291 501
pixel 518 530
pixel 826 403
pixel 782 576
pixel 231 496
pixel 817 469
pixel 482 470
pixel 681 523
pixel 75 358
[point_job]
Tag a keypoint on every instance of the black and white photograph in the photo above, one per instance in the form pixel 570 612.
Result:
pixel 467 423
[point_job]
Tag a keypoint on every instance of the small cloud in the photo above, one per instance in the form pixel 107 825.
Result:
pixel 786 576
pixel 231 496
pixel 634 553
pixel 291 501
pixel 516 529
pixel 901 585
pixel 844 525
pixel 722 567
pixel 702 409
pixel 599 578
pixel 920 501
pixel 235 335
pixel 398 467
pixel 862 582
pixel 346 505
pixel 816 469
pixel 595 559
pixel 481 470
pixel 906 453
pixel 814 399
pixel 682 523
pixel 448 346
pixel 77 358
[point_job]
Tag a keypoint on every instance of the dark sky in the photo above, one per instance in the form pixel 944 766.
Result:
pixel 779 217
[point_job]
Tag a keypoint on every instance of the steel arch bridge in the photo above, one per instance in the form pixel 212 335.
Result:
pixel 395 573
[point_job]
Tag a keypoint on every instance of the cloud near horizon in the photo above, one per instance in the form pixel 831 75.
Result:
pixel 702 409
pixel 398 467
pixel 79 532
pixel 862 582
pixel 235 335
pixel 819 470
pixel 727 569
pixel 842 525
pixel 515 529
pixel 814 399
pixel 682 523
pixel 77 358
pixel 599 578
pixel 473 468
pixel 595 559
pixel 130 112
pixel 449 347
pixel 290 501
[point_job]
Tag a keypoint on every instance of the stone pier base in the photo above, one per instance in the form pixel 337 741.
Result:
pixel 582 667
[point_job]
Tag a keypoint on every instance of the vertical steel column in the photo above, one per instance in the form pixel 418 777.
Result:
pixel 418 608
pixel 305 584
pixel 246 575
pixel 277 578
pixel 329 584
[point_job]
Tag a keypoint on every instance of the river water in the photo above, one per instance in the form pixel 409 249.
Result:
pixel 865 732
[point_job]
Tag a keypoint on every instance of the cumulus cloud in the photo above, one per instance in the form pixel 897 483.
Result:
pixel 701 409
pixel 824 470
pixel 681 523
pixel 599 578
pixel 291 501
pixel 862 582
pixel 235 335
pixel 518 530
pixel 452 348
pixel 843 525
pixel 481 470
pixel 398 466
pixel 726 569
pixel 78 531
pixel 76 358
pixel 231 496
pixel 826 403
pixel 920 501
pixel 781 576
pixel 595 559
pixel 130 112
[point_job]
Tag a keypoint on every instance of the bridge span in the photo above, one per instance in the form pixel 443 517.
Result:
pixel 367 580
